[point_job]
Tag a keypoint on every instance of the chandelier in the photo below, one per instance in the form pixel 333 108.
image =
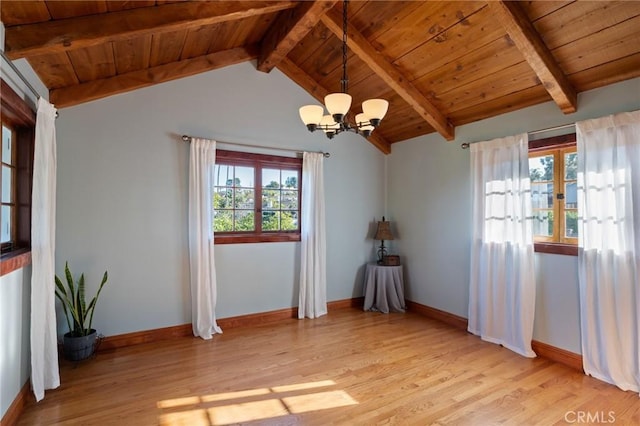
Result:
pixel 338 104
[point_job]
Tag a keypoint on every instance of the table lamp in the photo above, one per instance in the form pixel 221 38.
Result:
pixel 383 232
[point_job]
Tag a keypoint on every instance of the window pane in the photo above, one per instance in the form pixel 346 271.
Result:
pixel 289 221
pixel 570 166
pixel 541 168
pixel 244 199
pixel 222 175
pixel 542 195
pixel 244 177
pixel 571 195
pixel 271 178
pixel 5 223
pixel 271 199
pixel 271 221
pixel 543 223
pixel 571 224
pixel 223 221
pixel 6 184
pixel 290 200
pixel 245 220
pixel 222 197
pixel 6 146
pixel 290 179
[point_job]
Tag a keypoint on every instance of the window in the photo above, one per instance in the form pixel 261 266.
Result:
pixel 256 198
pixel 17 132
pixel 554 193
pixel 8 206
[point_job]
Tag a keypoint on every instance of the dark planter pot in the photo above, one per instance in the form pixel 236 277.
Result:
pixel 79 348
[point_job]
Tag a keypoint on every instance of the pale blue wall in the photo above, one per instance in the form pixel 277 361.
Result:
pixel 15 299
pixel 429 199
pixel 122 197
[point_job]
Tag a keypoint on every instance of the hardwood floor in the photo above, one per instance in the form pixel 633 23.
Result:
pixel 350 367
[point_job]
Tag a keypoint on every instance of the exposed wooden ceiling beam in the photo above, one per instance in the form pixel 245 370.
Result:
pixel 305 81
pixel 290 27
pixel 528 41
pixel 390 74
pixel 74 33
pixel 85 92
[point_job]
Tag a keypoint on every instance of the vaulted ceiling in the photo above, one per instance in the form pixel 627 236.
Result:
pixel 440 64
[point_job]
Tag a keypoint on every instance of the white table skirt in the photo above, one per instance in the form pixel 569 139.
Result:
pixel 384 289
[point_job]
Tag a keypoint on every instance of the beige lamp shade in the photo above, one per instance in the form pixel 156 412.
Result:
pixel 384 231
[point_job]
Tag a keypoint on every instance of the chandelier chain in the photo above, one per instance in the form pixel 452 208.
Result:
pixel 344 83
pixel 338 104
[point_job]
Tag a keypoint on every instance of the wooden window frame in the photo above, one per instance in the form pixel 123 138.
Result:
pixel 258 162
pixel 21 118
pixel 557 144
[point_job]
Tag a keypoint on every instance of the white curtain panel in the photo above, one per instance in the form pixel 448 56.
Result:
pixel 313 263
pixel 609 247
pixel 201 260
pixel 502 286
pixel 44 342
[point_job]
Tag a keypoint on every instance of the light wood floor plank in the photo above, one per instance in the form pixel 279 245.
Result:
pixel 350 367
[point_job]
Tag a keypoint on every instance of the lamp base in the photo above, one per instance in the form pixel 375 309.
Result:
pixel 382 252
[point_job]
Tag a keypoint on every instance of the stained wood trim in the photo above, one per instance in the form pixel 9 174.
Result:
pixel 561 356
pixel 290 27
pixel 554 142
pixel 185 330
pixel 85 92
pixel 312 87
pixel 390 75
pixel 14 261
pixel 279 237
pixel 14 108
pixel 146 336
pixel 556 248
pixel 355 302
pixel 515 21
pixel 73 33
pixel 541 349
pixel 16 408
pixel 436 314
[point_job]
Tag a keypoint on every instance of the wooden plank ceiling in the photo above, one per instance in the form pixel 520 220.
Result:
pixel 440 64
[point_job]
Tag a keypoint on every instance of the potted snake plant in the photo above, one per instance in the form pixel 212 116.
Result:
pixel 80 342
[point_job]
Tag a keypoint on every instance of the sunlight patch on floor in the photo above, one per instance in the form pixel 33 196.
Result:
pixel 318 401
pixel 252 404
pixel 234 395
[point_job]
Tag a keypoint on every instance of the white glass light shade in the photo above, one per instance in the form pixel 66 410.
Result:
pixel 328 124
pixel 375 108
pixel 338 103
pixel 311 114
pixel 362 118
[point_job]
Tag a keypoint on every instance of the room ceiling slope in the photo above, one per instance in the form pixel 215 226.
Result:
pixel 440 64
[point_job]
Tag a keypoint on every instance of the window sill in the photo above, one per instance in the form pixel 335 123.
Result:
pixel 556 248
pixel 14 260
pixel 267 238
